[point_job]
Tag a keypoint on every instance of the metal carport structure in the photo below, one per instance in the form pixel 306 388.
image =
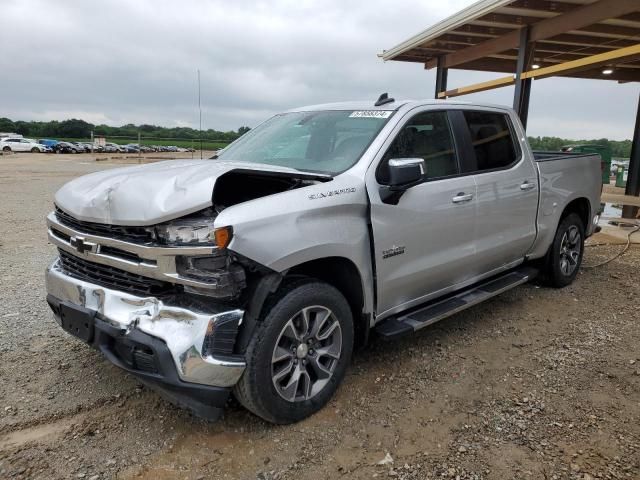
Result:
pixel 534 39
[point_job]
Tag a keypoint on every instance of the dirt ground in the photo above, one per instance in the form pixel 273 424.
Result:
pixel 535 384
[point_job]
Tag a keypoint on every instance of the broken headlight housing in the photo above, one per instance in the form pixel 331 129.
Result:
pixel 220 277
pixel 193 230
pixel 223 277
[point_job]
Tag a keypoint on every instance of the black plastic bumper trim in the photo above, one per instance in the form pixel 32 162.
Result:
pixel 203 400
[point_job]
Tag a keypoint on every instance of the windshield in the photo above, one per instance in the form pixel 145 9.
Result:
pixel 324 141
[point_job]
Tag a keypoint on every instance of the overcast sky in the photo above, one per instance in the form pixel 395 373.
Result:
pixel 135 61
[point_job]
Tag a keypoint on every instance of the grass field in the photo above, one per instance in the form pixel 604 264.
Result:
pixel 185 143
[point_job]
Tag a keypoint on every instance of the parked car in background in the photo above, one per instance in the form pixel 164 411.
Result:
pixel 12 144
pixel 67 147
pixel 81 147
pixel 131 148
pixel 48 142
pixel 114 148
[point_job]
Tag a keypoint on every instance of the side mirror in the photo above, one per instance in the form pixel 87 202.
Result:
pixel 405 172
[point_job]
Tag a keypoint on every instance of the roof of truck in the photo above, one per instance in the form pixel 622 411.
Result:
pixel 395 105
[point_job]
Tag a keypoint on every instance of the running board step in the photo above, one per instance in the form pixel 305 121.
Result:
pixel 433 312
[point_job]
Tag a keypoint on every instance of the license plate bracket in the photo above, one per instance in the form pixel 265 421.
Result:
pixel 78 321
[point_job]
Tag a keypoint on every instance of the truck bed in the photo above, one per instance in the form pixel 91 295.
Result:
pixel 564 177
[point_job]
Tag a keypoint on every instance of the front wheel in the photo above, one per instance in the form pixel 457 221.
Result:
pixel 35 150
pixel 298 353
pixel 565 254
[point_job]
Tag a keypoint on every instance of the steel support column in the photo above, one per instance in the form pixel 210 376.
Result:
pixel 441 78
pixel 523 86
pixel 633 177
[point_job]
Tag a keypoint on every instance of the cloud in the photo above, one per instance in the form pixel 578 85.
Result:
pixel 120 62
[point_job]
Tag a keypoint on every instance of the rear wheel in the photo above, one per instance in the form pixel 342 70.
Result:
pixel 6 149
pixel 298 353
pixel 565 254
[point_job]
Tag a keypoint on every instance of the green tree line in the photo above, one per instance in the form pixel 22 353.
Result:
pixel 75 128
pixel 619 148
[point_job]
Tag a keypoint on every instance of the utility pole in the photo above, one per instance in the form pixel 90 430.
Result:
pixel 200 110
pixel 633 177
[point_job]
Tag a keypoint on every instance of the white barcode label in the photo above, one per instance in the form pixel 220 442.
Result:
pixel 371 114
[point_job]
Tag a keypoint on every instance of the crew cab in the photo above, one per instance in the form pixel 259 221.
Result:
pixel 259 270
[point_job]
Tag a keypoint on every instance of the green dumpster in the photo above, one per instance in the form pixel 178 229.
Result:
pixel 605 155
pixel 620 180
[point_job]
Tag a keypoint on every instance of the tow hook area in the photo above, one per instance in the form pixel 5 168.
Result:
pixel 199 343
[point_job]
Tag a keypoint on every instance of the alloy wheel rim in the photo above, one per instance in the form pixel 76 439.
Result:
pixel 570 248
pixel 306 354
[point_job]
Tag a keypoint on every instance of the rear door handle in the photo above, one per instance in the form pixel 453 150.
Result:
pixel 527 186
pixel 462 197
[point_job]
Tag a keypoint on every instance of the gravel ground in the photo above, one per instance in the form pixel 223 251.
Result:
pixel 535 384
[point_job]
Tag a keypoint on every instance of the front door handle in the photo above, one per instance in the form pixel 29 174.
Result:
pixel 462 197
pixel 527 186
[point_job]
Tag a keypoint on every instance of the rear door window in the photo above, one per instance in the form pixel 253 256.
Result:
pixel 492 140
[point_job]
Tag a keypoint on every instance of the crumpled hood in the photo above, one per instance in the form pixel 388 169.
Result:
pixel 147 194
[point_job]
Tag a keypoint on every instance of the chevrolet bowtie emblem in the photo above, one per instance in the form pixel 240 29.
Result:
pixel 82 246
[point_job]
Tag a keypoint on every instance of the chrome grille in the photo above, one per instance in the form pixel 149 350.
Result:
pixel 114 278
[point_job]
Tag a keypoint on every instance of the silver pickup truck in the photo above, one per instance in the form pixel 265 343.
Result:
pixel 258 271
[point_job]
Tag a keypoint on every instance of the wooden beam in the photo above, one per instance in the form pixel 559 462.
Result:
pixel 495 45
pixel 478 87
pixel 517 21
pixel 632 17
pixel 620 74
pixel 622 55
pixel 455 43
pixel 580 17
pixel 546 5
pixel 478 31
pixel 576 40
pixel 573 67
pixel 505 20
pixel 567 41
pixel 610 31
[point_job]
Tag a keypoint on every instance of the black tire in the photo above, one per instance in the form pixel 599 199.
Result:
pixel 6 149
pixel 560 267
pixel 35 150
pixel 256 390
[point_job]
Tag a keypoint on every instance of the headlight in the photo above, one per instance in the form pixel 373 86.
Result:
pixel 194 231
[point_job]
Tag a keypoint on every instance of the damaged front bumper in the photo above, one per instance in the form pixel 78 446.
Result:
pixel 184 351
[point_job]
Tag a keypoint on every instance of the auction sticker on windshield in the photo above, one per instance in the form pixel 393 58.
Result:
pixel 371 114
